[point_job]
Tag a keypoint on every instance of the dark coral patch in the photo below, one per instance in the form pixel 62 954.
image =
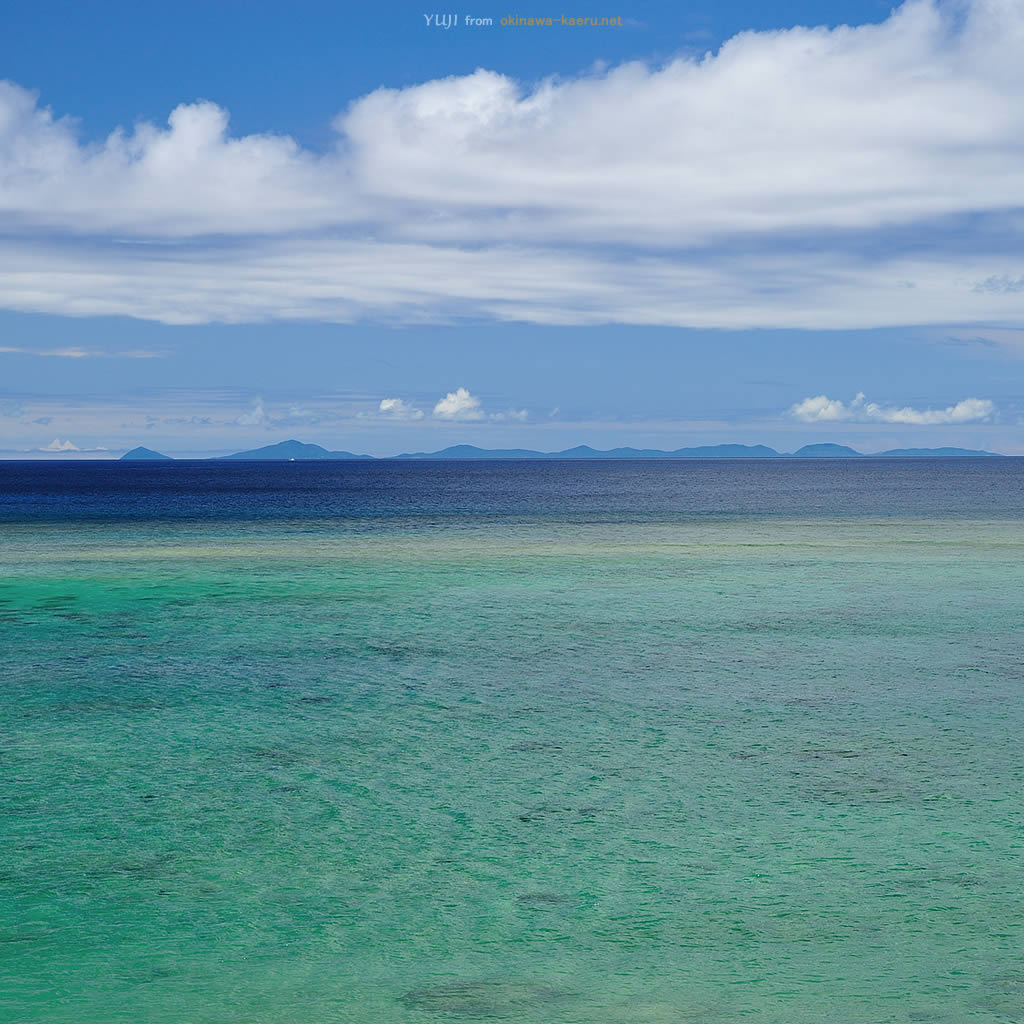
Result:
pixel 480 998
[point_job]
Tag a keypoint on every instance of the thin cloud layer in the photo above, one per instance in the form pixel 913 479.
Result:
pixel 822 409
pixel 752 187
pixel 254 417
pixel 345 282
pixel 76 352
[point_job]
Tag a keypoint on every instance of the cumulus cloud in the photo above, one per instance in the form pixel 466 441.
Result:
pixel 59 447
pixel 459 405
pixel 753 186
pixel 804 127
pixel 396 408
pixel 187 178
pixel 821 408
pixel 968 411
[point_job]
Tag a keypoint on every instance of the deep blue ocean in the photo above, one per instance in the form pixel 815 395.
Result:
pixel 599 491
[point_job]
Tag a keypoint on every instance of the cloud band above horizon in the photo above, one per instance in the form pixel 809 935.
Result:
pixel 822 409
pixel 806 178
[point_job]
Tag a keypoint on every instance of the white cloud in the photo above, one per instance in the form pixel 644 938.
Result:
pixel 459 405
pixel 821 408
pixel 76 352
pixel 396 408
pixel 803 127
pixel 345 282
pixel 298 414
pixel 57 445
pixel 752 187
pixel 255 417
pixel 188 178
pixel 968 411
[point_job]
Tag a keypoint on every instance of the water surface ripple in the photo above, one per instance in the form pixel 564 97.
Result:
pixel 549 743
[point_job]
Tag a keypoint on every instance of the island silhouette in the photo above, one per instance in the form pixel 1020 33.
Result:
pixel 299 451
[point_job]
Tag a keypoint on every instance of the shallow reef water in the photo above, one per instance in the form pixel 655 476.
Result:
pixel 703 745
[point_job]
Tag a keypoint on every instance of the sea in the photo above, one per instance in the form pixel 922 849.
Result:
pixel 544 742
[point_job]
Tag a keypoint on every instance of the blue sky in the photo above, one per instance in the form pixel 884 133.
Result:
pixel 335 222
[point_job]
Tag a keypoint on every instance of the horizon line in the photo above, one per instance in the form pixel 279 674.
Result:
pixel 298 451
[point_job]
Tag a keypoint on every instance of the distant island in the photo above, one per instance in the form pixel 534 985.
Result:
pixel 298 451
pixel 287 451
pixel 141 454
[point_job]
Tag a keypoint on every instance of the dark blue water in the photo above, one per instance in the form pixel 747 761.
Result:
pixel 573 491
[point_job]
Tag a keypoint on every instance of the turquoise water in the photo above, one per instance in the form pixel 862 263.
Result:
pixel 712 770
